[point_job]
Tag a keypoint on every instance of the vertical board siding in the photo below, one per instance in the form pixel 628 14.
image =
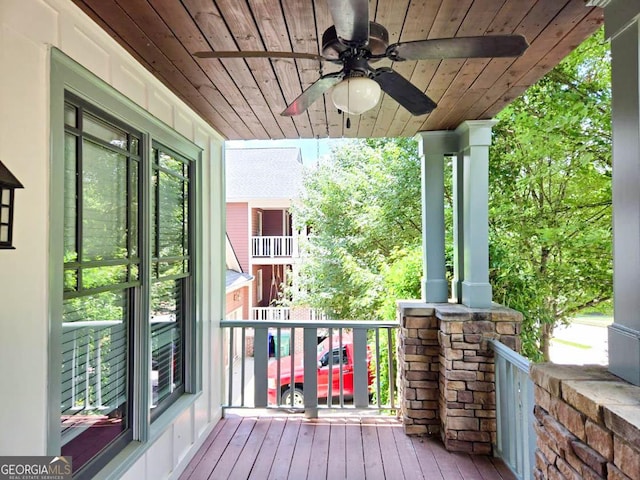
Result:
pixel 28 31
pixel 237 228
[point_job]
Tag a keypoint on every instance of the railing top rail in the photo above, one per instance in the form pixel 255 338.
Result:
pixel 512 356
pixel 272 236
pixel 356 324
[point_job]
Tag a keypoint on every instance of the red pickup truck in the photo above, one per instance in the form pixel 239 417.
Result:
pixel 281 392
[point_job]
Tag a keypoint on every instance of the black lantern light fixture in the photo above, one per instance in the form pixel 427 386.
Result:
pixel 8 184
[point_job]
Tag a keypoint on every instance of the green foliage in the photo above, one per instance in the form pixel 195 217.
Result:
pixel 550 209
pixel 401 278
pixel 361 208
pixel 550 205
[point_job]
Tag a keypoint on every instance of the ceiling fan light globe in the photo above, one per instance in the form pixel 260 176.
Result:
pixel 356 95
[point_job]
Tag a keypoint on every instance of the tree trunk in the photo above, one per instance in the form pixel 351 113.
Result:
pixel 545 340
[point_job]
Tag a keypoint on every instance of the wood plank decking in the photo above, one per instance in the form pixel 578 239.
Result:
pixel 352 448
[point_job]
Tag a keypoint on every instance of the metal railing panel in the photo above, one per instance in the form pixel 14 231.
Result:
pixel 516 436
pixel 344 386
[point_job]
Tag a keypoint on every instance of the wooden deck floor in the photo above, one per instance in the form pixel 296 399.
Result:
pixel 352 448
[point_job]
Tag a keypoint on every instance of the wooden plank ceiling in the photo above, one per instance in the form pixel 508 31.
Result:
pixel 242 99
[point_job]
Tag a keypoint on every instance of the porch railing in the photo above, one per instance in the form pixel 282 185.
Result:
pixel 516 437
pixel 310 365
pixel 272 247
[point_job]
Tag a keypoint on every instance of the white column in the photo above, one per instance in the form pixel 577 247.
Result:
pixel 433 146
pixel 458 229
pixel 475 138
pixel 622 26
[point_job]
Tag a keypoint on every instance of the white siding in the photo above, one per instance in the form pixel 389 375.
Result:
pixel 28 28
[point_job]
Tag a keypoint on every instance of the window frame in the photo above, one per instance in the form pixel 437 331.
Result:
pixel 259 286
pixel 128 287
pixel 186 280
pixel 67 76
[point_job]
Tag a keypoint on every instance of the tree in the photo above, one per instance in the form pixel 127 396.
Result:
pixel 361 208
pixel 550 209
pixel 550 205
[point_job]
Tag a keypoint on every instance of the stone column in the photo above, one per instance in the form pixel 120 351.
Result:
pixel 446 371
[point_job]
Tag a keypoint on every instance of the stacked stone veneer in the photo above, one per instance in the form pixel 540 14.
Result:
pixel 588 424
pixel 446 371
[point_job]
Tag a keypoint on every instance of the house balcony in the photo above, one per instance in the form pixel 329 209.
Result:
pixel 274 247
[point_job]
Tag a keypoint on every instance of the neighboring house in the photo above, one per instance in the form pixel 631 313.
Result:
pixel 262 185
pixel 237 286
pixel 238 290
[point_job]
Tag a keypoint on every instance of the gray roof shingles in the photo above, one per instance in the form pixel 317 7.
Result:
pixel 263 173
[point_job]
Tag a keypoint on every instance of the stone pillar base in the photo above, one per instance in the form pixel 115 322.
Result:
pixel 587 423
pixel 446 371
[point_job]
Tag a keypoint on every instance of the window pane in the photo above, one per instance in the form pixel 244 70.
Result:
pixel 133 217
pixel 171 163
pixel 95 386
pixel 4 233
pixel 171 216
pixel 70 198
pixel 166 269
pixel 103 276
pixel 104 131
pixel 135 146
pixel 104 203
pixel 70 115
pixel 166 318
pixel 70 280
pixel 4 215
pixel 5 196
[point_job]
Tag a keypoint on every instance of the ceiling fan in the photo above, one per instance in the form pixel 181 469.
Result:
pixel 355 43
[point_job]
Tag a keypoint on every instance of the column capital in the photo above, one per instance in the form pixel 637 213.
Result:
pixel 475 133
pixel 618 15
pixel 438 142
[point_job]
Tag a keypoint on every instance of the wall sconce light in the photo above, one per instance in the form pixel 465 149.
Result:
pixel 236 297
pixel 8 184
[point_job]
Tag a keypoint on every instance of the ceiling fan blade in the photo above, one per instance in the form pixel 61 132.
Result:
pixel 403 91
pixel 313 93
pixel 351 19
pixel 257 54
pixel 459 47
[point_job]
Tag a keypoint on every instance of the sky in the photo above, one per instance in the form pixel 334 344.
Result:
pixel 313 150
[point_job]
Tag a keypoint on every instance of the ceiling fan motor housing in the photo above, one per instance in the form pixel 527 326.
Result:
pixel 333 47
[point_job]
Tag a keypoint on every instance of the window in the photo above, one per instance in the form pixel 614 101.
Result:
pixel 259 286
pixel 101 272
pixel 324 361
pixel 122 295
pixel 170 272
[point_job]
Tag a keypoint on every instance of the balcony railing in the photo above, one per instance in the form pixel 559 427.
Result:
pixel 516 436
pixel 271 313
pixel 310 365
pixel 272 247
pixel 287 313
